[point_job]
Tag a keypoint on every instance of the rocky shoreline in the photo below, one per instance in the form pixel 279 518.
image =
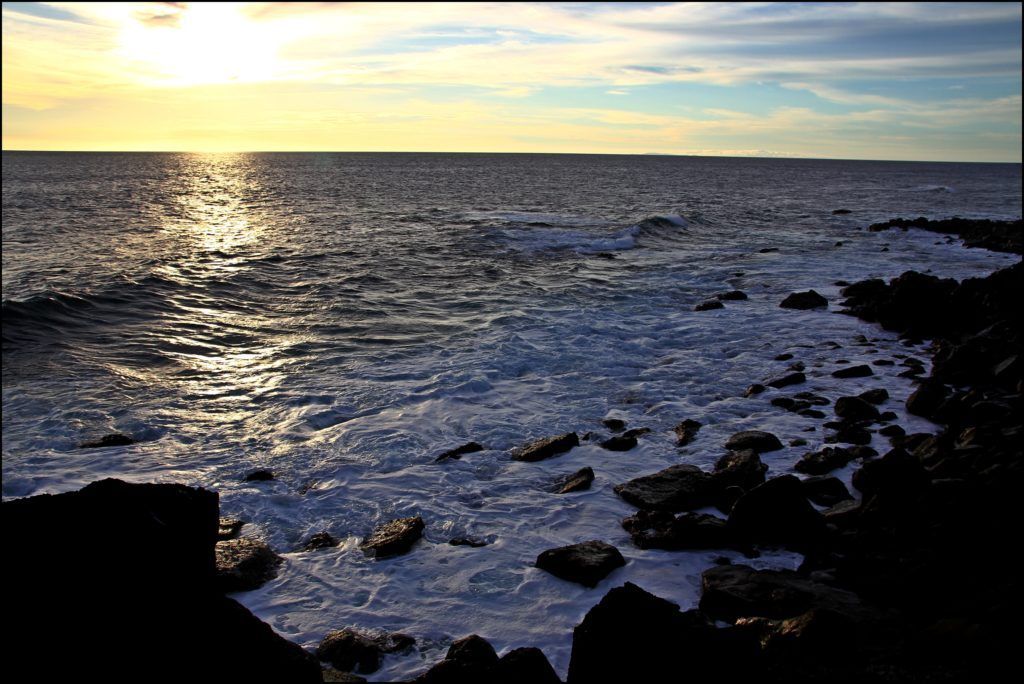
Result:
pixel 900 586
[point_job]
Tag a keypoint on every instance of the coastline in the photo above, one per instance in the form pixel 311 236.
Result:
pixel 767 636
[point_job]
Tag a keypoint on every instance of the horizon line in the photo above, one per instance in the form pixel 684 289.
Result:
pixel 576 154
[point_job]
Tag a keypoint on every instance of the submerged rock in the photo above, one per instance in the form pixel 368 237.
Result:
pixel 112 440
pixel 393 538
pixel 467 541
pixel 259 476
pixel 709 305
pixel 677 488
pixel 577 482
pixel 540 449
pixel 614 424
pixel 619 443
pixel 758 440
pixel 245 564
pixel 586 563
pixel 804 300
pixel 321 540
pixel 459 452
pixel 861 371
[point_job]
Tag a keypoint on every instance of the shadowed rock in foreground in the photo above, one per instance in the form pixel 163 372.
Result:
pixel 472 659
pixel 131 584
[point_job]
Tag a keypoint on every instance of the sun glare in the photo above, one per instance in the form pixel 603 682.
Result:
pixel 209 43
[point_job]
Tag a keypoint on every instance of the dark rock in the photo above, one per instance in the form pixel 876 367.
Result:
pixel 797 366
pixel 767 250
pixel 756 388
pixel 1000 236
pixel 926 399
pixel 112 440
pixel 783 357
pixel 635 432
pixel 147 575
pixel 855 408
pixel 577 482
pixel 245 564
pixel 663 530
pixel 348 650
pixel 708 305
pixel 892 431
pixel 686 431
pixel 886 416
pixel 677 488
pixel 825 491
pixel 840 212
pixel 777 512
pixel 883 362
pixel 757 440
pixel 467 541
pixel 740 469
pixel 812 398
pixel 897 472
pixel 614 424
pixel 458 452
pixel 861 371
pixel 799 441
pixel 525 665
pixel 735 591
pixel 586 563
pixel 804 300
pixel 259 476
pixel 321 540
pixel 732 296
pixel 470 659
pixel 619 443
pixel 541 449
pixel 874 396
pixel 783 402
pixel 824 461
pixel 228 528
pixel 812 413
pixel 394 537
pixel 787 380
pixel 850 434
pixel 331 675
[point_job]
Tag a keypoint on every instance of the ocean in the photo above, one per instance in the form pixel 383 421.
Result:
pixel 342 319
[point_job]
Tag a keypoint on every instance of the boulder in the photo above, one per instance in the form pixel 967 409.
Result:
pixel 855 408
pixel 577 482
pixel 874 396
pixel 756 440
pixel 927 398
pixel 677 488
pixel 321 540
pixel 459 452
pixel 112 440
pixel 470 659
pixel 525 665
pixel 663 530
pixel 825 491
pixel 756 388
pixel 394 537
pixel 540 449
pixel 586 563
pixel 898 473
pixel 349 650
pixel 861 371
pixel 467 541
pixel 245 564
pixel 686 431
pixel 614 424
pixel 709 305
pixel 740 469
pixel 777 512
pixel 804 300
pixel 619 443
pixel 787 380
pixel 824 461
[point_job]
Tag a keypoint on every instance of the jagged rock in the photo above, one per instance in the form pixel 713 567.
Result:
pixel 458 452
pixel 740 469
pixel 861 371
pixel 259 476
pixel 245 564
pixel 825 491
pixel 663 530
pixel 522 665
pixel 540 449
pixel 686 431
pixel 708 305
pixel 855 408
pixel 677 488
pixel 394 537
pixel 116 439
pixel 577 482
pixel 757 440
pixel 619 443
pixel 228 528
pixel 586 563
pixel 321 540
pixel 804 300
pixel 787 380
pixel 776 512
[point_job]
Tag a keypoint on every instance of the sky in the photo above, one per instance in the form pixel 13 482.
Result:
pixel 902 81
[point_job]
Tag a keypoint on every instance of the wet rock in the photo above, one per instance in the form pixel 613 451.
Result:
pixel 756 388
pixel 259 476
pixel 783 357
pixel 739 469
pixel 663 530
pixel 1000 236
pixel 636 432
pixel 823 461
pixel 732 296
pixel 767 250
pixel 850 434
pixel 812 413
pixel 112 440
pixel 897 472
pixel 758 440
pixel 245 564
pixel 926 399
pixel 467 541
pixel 804 301
pixel 470 659
pixel 614 424
pixel 321 540
pixel 228 528
pixel 736 591
pixel 798 366
pixel 787 380
pixel 783 402
pixel 394 537
pixel 874 396
pixel 349 650
pixel 677 488
pixel 861 371
pixel 812 398
pixel 798 442
pixel 522 665
pixel 886 416
pixel 709 305
pixel 586 563
pixel 855 408
pixel 825 491
pixel 840 212
pixel 686 431
pixel 577 482
pixel 892 431
pixel 459 452
pixel 540 449
pixel 776 512
pixel 619 443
